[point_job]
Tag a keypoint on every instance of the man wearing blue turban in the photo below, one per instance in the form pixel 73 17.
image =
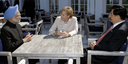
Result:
pixel 11 32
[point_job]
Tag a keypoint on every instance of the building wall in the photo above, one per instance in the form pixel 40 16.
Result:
pixel 44 4
pixel 63 3
pixel 96 7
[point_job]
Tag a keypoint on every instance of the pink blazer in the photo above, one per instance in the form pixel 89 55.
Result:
pixel 71 28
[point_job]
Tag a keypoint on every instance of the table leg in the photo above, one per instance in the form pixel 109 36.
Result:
pixel 27 62
pixel 89 59
pixel 18 59
pixel 78 61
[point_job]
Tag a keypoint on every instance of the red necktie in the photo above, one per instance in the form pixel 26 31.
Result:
pixel 103 35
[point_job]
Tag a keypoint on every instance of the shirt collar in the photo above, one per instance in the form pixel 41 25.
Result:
pixel 11 24
pixel 117 23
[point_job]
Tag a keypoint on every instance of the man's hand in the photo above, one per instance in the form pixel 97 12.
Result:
pixel 28 37
pixel 92 45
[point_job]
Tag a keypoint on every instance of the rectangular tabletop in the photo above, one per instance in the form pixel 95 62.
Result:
pixel 51 47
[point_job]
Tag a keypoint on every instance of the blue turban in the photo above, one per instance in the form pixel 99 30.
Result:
pixel 10 12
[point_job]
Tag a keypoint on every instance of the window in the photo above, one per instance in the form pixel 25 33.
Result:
pixel 111 3
pixel 79 6
pixel 125 4
pixel 37 4
pixel 83 6
pixel 116 2
pixel 53 6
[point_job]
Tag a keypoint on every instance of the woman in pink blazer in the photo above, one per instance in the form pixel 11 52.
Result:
pixel 65 25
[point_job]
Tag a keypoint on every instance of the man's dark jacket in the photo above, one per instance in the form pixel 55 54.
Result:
pixel 111 42
pixel 11 36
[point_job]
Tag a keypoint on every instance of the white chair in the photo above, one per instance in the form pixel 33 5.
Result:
pixel 37 29
pixel 93 28
pixel 25 19
pixel 53 17
pixel 104 15
pixel 107 53
pixel 9 56
pixel 45 17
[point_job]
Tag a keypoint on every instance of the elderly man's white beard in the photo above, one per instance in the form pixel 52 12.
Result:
pixel 16 21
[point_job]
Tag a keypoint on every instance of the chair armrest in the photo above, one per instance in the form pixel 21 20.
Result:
pixel 95 23
pixel 114 53
pixel 9 56
pixel 94 20
pixel 105 53
pixel 5 53
pixel 30 25
pixel 29 29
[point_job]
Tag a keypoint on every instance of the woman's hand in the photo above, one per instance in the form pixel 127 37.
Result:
pixel 59 33
pixel 64 34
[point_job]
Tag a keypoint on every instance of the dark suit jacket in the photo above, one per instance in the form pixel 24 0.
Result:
pixel 111 42
pixel 1 6
pixel 16 2
pixel 29 7
pixel 11 36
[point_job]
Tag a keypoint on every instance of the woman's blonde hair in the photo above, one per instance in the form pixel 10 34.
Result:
pixel 68 10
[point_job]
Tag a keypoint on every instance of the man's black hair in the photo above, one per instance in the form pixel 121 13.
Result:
pixel 119 10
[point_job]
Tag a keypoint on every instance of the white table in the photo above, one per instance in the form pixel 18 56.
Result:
pixel 51 47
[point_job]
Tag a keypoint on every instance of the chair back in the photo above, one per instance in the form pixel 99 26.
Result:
pixel 78 17
pixel 104 15
pixel 1 47
pixel 26 19
pixel 39 27
pixel 119 59
pixel 125 60
pixel 40 10
pixel 8 54
pixel 1 15
pixel 80 28
pixel 53 17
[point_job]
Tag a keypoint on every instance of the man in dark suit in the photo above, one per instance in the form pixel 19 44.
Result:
pixel 16 2
pixel 29 9
pixel 112 39
pixel 11 32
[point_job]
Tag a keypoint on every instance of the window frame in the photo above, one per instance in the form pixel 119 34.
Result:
pixel 120 3
pixel 73 5
pixel 54 6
